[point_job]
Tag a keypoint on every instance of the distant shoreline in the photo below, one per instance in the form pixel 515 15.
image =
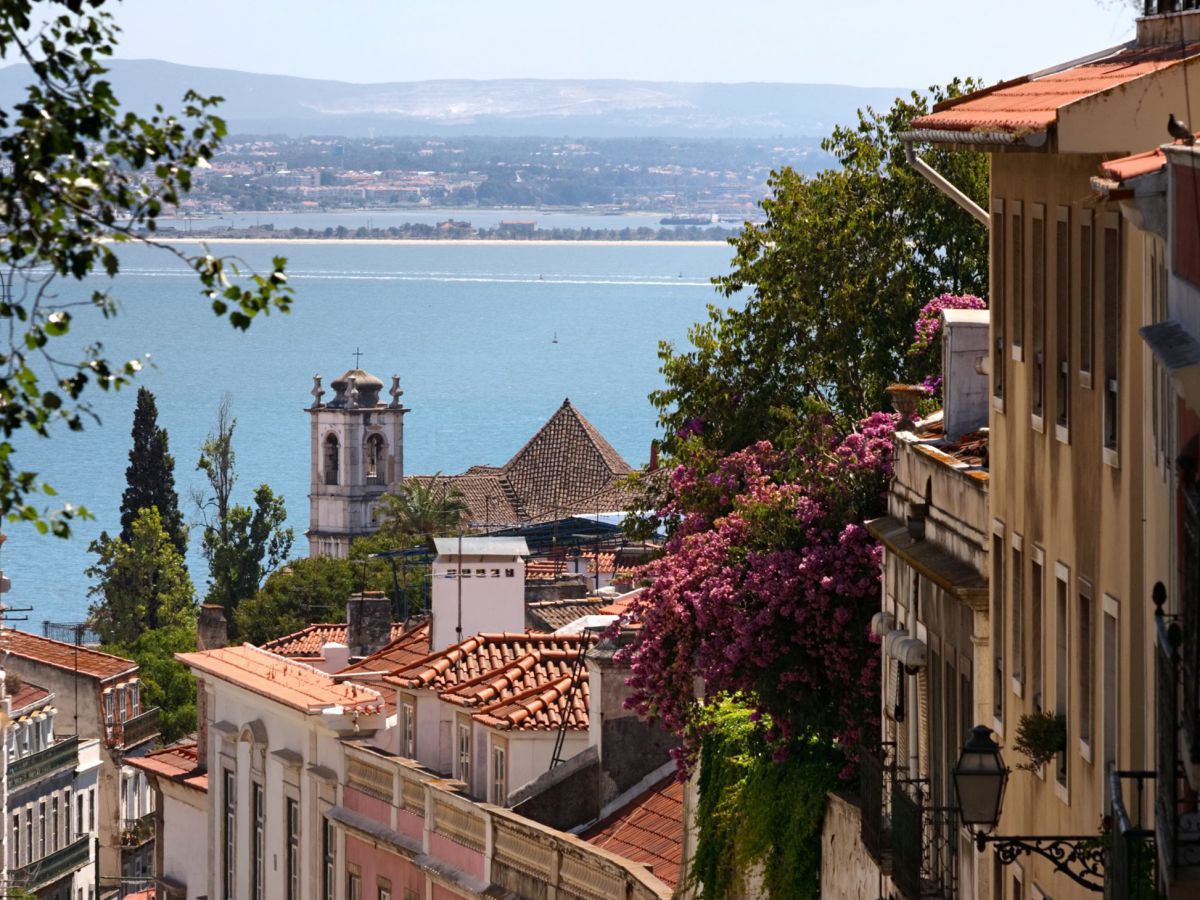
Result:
pixel 429 242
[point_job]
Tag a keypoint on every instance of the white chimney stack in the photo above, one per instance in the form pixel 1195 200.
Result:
pixel 478 585
pixel 964 378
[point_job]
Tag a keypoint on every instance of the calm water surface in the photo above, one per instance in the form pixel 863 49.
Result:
pixel 469 329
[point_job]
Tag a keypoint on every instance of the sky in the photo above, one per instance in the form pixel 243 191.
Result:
pixel 885 43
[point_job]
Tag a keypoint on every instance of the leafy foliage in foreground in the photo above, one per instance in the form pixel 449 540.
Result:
pixel 166 682
pixel 83 176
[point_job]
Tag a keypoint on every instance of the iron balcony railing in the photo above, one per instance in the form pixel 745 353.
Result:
pixel 58 756
pixel 1161 7
pixel 54 866
pixel 876 773
pixel 924 844
pixel 1130 871
pixel 138 730
pixel 1189 623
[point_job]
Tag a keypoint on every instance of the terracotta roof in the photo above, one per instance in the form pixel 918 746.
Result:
pixel 68 657
pixel 544 569
pixel 567 467
pixel 292 683
pixel 551 615
pixel 179 763
pixel 408 648
pixel 26 696
pixel 541 706
pixel 1132 166
pixel 477 655
pixel 648 830
pixel 307 642
pixel 1031 104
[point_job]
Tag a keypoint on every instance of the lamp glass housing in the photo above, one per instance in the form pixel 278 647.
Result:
pixel 979 780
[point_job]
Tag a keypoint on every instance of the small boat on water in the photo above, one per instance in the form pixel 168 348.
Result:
pixel 555 341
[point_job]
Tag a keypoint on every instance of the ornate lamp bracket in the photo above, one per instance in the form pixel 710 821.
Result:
pixel 1080 858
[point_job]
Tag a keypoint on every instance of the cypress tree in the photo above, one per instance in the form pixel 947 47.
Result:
pixel 150 477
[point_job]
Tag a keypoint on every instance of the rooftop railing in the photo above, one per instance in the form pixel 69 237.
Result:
pixel 54 866
pixel 1130 870
pixel 138 730
pixel 1161 7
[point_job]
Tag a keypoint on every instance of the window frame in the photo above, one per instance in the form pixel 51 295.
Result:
pixel 1017 280
pixel 1037 319
pixel 1062 325
pixel 999 306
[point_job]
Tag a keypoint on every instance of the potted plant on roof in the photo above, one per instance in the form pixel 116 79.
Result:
pixel 905 398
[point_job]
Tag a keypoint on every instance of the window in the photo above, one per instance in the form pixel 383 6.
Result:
pixel 54 832
pixel 385 889
pixel 499 776
pixel 1018 614
pixel 108 708
pixel 79 813
pixel 464 753
pixel 293 849
pixel 1017 230
pixel 1083 657
pixel 1087 290
pixel 1036 634
pixel 1062 321
pixel 228 835
pixel 29 846
pixel 91 809
pixel 15 850
pixel 353 886
pixel 1061 662
pixel 331 459
pixel 1112 329
pixel 67 830
pixel 409 732
pixel 260 848
pixel 1037 376
pixel 121 711
pixel 1109 687
pixel 134 699
pixel 329 859
pixel 376 460
pixel 1000 302
pixel 998 627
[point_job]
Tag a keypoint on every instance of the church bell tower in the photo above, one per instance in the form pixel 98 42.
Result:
pixel 357 450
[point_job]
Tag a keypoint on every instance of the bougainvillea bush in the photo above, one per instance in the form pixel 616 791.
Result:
pixel 767 586
pixel 926 346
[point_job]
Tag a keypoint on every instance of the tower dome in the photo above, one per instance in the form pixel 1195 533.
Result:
pixel 366 384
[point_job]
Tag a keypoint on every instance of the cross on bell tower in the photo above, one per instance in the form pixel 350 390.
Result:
pixel 357 455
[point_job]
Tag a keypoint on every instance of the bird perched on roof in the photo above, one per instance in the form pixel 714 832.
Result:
pixel 1180 131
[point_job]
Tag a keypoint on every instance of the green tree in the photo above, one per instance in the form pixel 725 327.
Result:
pixel 83 176
pixel 166 682
pixel 140 583
pixel 150 476
pixel 422 507
pixel 833 279
pixel 306 590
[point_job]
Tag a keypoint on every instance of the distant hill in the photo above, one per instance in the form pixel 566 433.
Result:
pixel 280 104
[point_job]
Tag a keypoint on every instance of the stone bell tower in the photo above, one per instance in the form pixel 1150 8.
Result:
pixel 357 450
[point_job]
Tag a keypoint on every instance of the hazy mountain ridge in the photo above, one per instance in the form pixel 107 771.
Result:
pixel 282 104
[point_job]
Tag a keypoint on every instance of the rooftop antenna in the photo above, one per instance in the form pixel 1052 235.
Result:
pixel 458 628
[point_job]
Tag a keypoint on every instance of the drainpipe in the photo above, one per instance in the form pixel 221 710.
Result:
pixel 939 181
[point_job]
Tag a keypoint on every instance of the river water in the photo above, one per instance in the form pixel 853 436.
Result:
pixel 469 327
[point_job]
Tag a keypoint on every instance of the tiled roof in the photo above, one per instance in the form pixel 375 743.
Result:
pixel 969 450
pixel 68 657
pixel 178 762
pixel 566 468
pixel 551 615
pixel 541 706
pixel 1031 104
pixel 544 569
pixel 408 648
pixel 307 642
pixel 477 655
pixel 292 683
pixel 26 696
pixel 648 830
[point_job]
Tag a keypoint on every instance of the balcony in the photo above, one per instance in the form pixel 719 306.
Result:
pixel 1130 873
pixel 137 730
pixel 136 832
pixel 61 755
pixel 924 844
pixel 51 868
pixel 875 776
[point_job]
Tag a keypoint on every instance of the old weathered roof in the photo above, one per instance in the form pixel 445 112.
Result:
pixel 179 763
pixel 476 656
pixel 1032 103
pixel 291 683
pixel 648 830
pixel 409 647
pixel 67 657
pixel 27 696
pixel 544 705
pixel 551 615
pixel 566 468
pixel 307 642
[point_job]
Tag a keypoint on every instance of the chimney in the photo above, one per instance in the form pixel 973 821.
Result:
pixel 368 622
pixel 212 632
pixel 1163 26
pixel 630 747
pixel 482 586
pixel 964 371
pixel 653 464
pixel 336 656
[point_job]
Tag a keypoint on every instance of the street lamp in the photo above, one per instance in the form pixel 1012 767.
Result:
pixel 979 779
